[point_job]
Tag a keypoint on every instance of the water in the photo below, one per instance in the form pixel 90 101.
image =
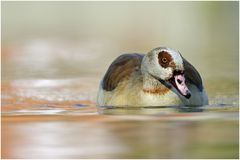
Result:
pixel 52 63
pixel 69 125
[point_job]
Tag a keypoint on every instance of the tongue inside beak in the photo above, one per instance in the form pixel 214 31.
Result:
pixel 178 81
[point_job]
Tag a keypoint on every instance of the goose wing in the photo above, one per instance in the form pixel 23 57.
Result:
pixel 192 76
pixel 121 69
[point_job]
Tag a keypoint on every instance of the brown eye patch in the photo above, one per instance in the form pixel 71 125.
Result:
pixel 164 59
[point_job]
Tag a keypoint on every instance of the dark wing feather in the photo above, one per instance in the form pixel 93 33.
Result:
pixel 192 76
pixel 120 69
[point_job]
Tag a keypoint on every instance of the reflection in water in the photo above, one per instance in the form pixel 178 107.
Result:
pixel 120 136
pixel 191 109
pixel 148 110
pixel 61 140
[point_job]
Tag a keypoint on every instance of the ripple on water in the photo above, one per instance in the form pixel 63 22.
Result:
pixel 77 96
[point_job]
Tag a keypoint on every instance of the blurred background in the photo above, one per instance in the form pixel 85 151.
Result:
pixel 71 39
pixel 54 55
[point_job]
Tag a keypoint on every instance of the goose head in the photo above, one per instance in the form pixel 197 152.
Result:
pixel 166 65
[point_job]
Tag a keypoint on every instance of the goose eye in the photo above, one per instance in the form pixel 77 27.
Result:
pixel 164 60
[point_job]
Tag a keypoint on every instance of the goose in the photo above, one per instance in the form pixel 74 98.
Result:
pixel 162 77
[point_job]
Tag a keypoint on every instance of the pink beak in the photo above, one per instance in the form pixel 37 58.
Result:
pixel 178 81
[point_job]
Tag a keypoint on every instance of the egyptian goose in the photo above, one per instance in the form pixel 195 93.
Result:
pixel 160 78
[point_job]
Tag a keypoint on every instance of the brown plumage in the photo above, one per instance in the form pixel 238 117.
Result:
pixel 160 90
pixel 165 60
pixel 121 69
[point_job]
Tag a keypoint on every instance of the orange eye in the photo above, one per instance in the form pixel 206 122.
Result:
pixel 164 60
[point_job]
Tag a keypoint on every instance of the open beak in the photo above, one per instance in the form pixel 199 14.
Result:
pixel 178 81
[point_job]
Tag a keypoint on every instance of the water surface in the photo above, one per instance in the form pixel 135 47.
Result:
pixel 59 119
